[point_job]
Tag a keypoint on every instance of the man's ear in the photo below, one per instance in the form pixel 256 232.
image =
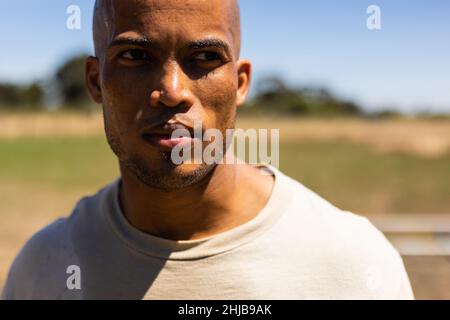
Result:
pixel 92 78
pixel 244 68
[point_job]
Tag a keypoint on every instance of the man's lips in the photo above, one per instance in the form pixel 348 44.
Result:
pixel 166 141
pixel 162 137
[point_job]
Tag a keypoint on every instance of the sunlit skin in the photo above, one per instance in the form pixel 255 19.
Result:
pixel 173 62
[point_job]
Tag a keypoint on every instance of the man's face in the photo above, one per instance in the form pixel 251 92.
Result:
pixel 160 62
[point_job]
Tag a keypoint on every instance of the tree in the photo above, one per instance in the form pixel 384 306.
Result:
pixel 70 78
pixel 13 96
pixel 33 96
pixel 274 96
pixel 9 95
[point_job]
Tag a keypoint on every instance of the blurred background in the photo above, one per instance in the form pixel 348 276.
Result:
pixel 364 116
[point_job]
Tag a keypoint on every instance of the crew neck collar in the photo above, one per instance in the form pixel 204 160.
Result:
pixel 196 249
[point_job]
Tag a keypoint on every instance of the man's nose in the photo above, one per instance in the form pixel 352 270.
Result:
pixel 172 89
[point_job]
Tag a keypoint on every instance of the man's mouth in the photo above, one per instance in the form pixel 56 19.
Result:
pixel 166 141
pixel 166 138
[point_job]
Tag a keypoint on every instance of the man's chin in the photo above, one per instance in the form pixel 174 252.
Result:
pixel 168 176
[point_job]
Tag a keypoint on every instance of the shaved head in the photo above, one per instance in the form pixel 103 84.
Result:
pixel 108 12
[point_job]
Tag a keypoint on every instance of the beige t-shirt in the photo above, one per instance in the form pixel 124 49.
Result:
pixel 298 247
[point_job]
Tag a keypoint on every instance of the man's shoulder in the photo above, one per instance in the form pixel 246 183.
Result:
pixel 345 241
pixel 88 208
pixel 331 222
pixel 29 262
pixel 43 241
pixel 53 246
pixel 312 206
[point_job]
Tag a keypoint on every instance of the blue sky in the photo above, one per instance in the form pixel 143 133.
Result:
pixel 405 65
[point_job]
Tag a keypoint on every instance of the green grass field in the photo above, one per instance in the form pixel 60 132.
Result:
pixel 360 179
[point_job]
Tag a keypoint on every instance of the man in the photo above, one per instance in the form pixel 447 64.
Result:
pixel 193 230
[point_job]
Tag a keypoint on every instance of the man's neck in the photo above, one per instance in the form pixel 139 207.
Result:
pixel 211 206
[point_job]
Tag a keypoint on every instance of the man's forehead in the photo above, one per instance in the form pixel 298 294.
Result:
pixel 166 4
pixel 191 16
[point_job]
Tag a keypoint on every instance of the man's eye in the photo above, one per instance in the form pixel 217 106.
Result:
pixel 207 56
pixel 135 55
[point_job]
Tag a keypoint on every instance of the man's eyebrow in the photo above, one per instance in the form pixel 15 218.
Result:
pixel 148 43
pixel 208 43
pixel 140 42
